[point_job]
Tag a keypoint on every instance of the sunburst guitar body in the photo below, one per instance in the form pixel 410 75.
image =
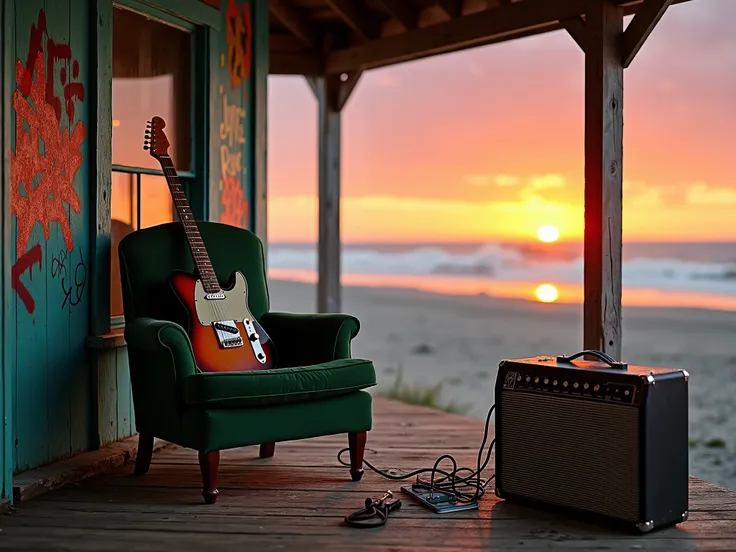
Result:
pixel 225 336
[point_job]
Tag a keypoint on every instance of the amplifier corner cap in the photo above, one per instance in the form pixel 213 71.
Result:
pixel 645 526
pixel 502 363
pixel 685 516
pixel 686 374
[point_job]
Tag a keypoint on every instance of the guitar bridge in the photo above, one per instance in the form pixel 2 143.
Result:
pixel 228 334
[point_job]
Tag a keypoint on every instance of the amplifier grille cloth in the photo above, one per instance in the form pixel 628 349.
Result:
pixel 541 437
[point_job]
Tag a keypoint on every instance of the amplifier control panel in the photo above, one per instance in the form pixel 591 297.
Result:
pixel 565 384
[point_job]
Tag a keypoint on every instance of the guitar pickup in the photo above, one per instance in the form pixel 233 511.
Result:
pixel 226 328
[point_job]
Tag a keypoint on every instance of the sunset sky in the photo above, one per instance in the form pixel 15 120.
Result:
pixel 487 144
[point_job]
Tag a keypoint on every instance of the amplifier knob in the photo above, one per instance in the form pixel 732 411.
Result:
pixel 554 382
pixel 597 388
pixel 564 384
pixel 585 386
pixel 546 381
pixel 576 385
pixel 518 378
pixel 536 380
pixel 528 379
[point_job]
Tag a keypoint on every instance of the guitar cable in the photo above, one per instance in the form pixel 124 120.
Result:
pixel 465 488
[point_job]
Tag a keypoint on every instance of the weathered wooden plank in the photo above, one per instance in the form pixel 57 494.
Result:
pixel 260 121
pixel 329 243
pixel 7 295
pixel 31 267
pixel 100 127
pixel 80 277
pixel 107 396
pixel 357 17
pixel 125 428
pixel 297 500
pixel 57 259
pixel 603 178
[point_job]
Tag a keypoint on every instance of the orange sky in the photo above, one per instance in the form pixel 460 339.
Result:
pixel 488 143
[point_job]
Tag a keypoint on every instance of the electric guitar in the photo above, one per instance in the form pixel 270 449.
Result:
pixel 225 336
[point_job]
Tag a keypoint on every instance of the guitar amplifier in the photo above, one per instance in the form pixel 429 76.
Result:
pixel 601 440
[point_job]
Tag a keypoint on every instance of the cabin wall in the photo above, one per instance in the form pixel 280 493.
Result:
pixel 70 391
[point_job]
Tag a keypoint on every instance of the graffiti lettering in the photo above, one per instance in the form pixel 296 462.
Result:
pixel 238 37
pixel 231 127
pixel 23 264
pixel 74 289
pixel 232 196
pixel 55 52
pixel 42 177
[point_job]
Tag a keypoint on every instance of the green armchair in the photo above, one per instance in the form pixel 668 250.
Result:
pixel 316 389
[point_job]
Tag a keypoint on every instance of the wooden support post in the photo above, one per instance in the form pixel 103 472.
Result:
pixel 332 94
pixel 603 177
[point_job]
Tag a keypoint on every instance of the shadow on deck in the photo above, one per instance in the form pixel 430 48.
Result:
pixel 297 500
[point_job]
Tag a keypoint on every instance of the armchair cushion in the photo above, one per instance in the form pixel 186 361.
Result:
pixel 260 388
pixel 307 339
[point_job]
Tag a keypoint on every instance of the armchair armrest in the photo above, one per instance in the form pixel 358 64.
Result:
pixel 306 339
pixel 159 353
pixel 160 345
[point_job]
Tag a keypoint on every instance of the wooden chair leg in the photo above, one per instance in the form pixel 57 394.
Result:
pixel 267 450
pixel 356 441
pixel 144 454
pixel 209 463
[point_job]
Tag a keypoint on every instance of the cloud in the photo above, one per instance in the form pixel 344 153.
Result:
pixel 547 181
pixel 702 194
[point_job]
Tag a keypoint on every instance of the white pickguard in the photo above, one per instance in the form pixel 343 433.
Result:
pixel 221 310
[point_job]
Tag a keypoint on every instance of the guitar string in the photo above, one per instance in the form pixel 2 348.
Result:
pixel 175 187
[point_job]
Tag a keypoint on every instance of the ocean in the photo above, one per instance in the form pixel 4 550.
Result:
pixel 698 275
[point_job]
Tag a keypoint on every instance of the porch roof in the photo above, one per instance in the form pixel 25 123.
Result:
pixel 297 500
pixel 318 37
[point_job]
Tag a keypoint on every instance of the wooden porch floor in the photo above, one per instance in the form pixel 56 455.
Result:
pixel 297 500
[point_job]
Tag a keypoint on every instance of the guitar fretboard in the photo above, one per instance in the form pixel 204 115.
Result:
pixel 196 245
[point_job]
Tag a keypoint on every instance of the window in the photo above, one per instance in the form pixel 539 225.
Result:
pixel 152 75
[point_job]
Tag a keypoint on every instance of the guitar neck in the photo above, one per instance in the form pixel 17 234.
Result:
pixel 194 238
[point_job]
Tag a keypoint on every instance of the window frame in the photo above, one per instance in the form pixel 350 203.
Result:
pixel 197 21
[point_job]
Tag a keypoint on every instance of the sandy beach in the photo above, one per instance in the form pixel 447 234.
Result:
pixel 459 340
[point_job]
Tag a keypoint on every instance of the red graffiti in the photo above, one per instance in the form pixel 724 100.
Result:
pixel 232 199
pixel 25 263
pixel 55 169
pixel 55 52
pixel 239 38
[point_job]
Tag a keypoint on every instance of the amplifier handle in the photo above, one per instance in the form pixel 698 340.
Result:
pixel 598 354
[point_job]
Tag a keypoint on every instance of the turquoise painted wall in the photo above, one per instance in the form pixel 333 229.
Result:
pixel 6 430
pixel 50 237
pixel 60 397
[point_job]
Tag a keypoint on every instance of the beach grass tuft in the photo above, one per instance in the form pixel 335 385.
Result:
pixel 422 395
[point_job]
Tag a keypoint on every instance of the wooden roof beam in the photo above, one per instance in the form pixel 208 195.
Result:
pixel 484 27
pixel 357 17
pixel 404 13
pixel 452 8
pixel 291 18
pixel 575 27
pixel 641 26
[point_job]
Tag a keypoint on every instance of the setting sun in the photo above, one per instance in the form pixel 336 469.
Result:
pixel 547 293
pixel 548 233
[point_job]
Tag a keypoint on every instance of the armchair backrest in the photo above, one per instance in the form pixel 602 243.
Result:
pixel 149 256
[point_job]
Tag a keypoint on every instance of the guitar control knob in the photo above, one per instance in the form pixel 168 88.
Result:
pixel 254 337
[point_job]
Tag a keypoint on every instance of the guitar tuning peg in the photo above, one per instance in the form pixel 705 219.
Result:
pixel 146 148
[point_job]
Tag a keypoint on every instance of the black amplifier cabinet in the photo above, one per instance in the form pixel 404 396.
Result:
pixel 603 440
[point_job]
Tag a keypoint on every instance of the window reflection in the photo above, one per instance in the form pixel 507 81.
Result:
pixel 151 76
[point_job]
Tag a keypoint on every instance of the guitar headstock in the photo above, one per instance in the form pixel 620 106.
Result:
pixel 155 139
